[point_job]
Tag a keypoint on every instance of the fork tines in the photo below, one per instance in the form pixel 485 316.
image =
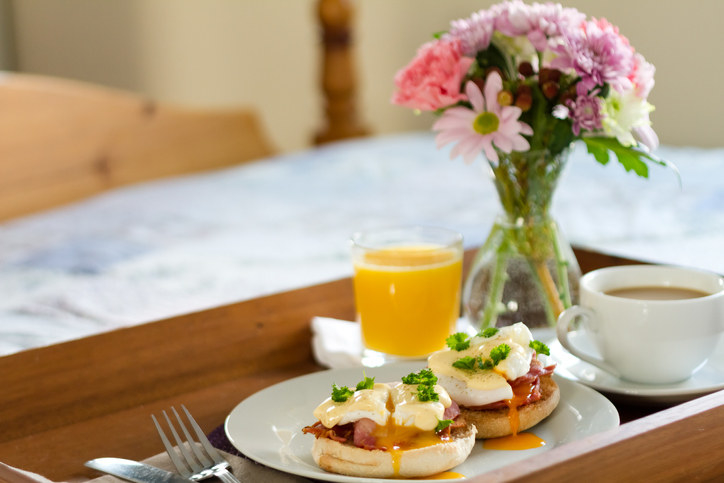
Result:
pixel 196 464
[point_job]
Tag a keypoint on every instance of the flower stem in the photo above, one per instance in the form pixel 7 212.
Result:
pixel 550 316
pixel 529 236
pixel 549 287
pixel 495 294
pixel 562 271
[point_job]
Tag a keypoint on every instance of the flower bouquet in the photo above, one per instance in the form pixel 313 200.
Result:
pixel 520 83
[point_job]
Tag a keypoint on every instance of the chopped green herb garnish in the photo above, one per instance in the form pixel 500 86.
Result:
pixel 499 353
pixel 366 383
pixel 489 332
pixel 427 393
pixel 341 394
pixel 425 381
pixel 442 424
pixel 458 341
pixel 466 362
pixel 539 347
pixel 425 376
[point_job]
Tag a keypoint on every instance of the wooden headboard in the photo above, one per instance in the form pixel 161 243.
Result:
pixel 65 140
pixel 338 75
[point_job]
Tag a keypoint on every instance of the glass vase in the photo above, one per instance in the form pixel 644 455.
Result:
pixel 526 270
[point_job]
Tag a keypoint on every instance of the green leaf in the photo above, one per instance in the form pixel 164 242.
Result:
pixel 631 158
pixel 598 152
pixel 493 56
pixel 561 135
pixel 458 341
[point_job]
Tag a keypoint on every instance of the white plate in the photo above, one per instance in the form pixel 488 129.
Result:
pixel 267 426
pixel 708 379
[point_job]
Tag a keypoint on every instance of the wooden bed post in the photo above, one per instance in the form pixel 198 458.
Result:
pixel 338 74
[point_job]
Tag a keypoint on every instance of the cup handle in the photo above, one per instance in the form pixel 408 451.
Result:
pixel 564 321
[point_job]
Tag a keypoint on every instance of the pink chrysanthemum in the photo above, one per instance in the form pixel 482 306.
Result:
pixel 432 79
pixel 474 32
pixel 539 22
pixel 486 124
pixel 585 113
pixel 598 54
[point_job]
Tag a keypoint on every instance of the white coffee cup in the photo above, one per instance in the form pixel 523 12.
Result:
pixel 646 340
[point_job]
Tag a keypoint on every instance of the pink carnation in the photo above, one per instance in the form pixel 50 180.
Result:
pixel 433 78
pixel 642 76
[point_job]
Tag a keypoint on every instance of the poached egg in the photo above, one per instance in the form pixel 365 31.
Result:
pixel 480 387
pixel 397 402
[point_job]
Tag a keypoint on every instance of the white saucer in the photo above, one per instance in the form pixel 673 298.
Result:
pixel 708 379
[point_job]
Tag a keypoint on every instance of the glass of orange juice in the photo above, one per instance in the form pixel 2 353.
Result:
pixel 407 290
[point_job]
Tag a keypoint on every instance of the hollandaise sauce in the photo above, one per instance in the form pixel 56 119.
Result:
pixel 371 403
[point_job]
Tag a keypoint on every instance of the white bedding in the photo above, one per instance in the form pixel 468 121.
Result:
pixel 178 245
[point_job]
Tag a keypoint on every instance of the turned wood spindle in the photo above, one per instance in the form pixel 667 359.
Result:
pixel 338 74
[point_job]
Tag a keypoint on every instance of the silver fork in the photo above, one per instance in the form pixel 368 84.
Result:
pixel 201 464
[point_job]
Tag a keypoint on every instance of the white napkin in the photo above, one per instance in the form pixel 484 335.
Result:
pixel 16 475
pixel 338 343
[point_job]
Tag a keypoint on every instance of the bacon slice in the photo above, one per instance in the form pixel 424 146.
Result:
pixel 531 378
pixel 452 411
pixel 359 433
pixel 341 433
pixel 363 433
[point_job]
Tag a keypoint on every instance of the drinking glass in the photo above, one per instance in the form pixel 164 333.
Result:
pixel 407 290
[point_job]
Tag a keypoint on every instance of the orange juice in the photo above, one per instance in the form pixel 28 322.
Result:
pixel 408 297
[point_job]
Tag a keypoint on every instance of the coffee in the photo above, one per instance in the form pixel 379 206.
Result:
pixel 657 293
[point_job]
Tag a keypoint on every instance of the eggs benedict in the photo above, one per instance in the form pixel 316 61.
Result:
pixel 410 428
pixel 497 379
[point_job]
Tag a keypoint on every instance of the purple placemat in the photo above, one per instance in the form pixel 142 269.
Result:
pixel 218 440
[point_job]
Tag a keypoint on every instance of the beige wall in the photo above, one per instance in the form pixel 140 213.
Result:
pixel 265 53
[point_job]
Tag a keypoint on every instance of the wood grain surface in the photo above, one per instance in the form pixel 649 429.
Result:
pixel 65 140
pixel 64 404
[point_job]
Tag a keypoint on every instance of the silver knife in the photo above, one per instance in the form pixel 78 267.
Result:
pixel 134 471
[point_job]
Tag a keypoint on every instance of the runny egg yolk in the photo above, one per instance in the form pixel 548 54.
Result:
pixel 445 475
pixel 516 441
pixel 403 422
pixel 400 438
